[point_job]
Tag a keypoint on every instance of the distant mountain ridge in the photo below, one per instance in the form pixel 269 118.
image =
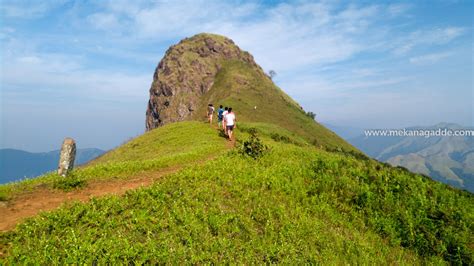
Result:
pixel 17 164
pixel 446 159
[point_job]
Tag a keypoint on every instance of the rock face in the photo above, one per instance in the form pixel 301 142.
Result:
pixel 187 72
pixel 67 157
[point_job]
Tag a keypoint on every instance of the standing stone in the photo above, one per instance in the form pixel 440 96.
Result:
pixel 67 156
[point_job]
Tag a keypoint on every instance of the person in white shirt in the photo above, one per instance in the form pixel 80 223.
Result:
pixel 226 111
pixel 210 113
pixel 230 122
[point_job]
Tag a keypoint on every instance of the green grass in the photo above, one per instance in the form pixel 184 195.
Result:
pixel 173 145
pixel 3 196
pixel 70 183
pixel 172 139
pixel 272 133
pixel 310 198
pixel 240 86
pixel 294 205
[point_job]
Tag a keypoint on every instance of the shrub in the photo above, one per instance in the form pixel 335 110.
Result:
pixel 3 196
pixel 355 154
pixel 253 147
pixel 281 138
pixel 311 114
pixel 69 183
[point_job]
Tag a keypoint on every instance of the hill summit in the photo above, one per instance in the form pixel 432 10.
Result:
pixel 186 73
pixel 209 68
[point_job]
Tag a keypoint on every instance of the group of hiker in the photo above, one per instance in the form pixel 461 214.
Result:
pixel 225 119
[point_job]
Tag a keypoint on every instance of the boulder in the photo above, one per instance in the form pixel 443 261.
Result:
pixel 67 157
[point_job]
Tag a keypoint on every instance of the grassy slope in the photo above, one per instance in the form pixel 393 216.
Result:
pixel 172 145
pixel 296 204
pixel 240 86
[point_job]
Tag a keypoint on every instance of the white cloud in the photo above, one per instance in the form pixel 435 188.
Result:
pixel 364 72
pixel 58 75
pixel 284 37
pixel 24 9
pixel 309 88
pixel 298 35
pixel 182 18
pixel 29 60
pixel 104 21
pixel 398 9
pixel 437 36
pixel 293 39
pixel 429 58
pixel 374 83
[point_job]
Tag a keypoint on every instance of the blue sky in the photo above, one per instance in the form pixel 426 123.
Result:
pixel 83 68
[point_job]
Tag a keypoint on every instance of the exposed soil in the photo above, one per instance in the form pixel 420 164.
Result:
pixel 43 198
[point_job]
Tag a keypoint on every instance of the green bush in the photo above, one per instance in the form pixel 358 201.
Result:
pixel 285 139
pixel 311 114
pixel 253 146
pixel 3 196
pixel 69 183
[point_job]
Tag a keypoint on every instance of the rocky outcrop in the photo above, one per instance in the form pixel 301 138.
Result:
pixel 187 72
pixel 67 157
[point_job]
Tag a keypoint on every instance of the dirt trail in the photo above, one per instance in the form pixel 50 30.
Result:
pixel 41 199
pixel 44 199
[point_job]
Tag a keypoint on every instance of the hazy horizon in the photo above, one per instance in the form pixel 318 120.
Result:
pixel 330 126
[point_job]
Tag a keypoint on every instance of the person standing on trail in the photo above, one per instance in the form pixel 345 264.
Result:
pixel 220 116
pixel 210 113
pixel 226 110
pixel 230 122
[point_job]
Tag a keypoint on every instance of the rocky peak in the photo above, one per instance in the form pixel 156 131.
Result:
pixel 187 72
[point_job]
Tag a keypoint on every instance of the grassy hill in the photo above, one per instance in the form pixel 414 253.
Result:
pixel 307 196
pixel 294 204
pixel 174 145
pixel 239 86
pixel 209 68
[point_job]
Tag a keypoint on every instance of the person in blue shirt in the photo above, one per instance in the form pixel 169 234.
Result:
pixel 220 116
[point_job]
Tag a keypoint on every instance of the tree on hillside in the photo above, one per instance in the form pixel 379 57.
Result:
pixel 272 74
pixel 312 115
